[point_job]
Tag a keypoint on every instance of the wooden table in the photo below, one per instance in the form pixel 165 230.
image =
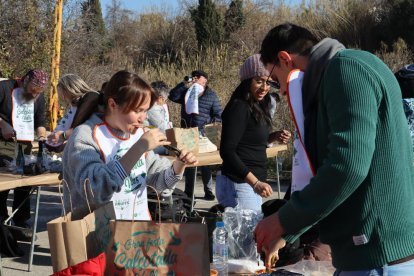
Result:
pixel 213 158
pixel 10 181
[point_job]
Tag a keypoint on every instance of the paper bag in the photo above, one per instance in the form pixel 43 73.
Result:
pixel 184 138
pixel 213 133
pixel 72 242
pixel 151 248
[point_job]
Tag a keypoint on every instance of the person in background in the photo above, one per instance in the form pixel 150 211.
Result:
pixel 358 143
pixel 405 77
pixel 158 116
pixel 80 99
pixel 197 112
pixel 274 99
pixel 245 135
pixel 114 151
pixel 23 96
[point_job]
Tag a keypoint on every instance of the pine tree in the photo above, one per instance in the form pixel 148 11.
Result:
pixel 92 14
pixel 234 18
pixel 208 24
pixel 94 28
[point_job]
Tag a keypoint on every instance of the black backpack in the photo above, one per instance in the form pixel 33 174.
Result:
pixel 182 205
pixel 405 77
pixel 8 244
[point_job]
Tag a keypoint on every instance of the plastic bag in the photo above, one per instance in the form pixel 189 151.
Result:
pixel 240 225
pixel 311 268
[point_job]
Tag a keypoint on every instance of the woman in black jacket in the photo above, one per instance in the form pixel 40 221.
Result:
pixel 245 136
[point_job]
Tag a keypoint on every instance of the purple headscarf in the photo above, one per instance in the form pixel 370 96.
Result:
pixel 37 77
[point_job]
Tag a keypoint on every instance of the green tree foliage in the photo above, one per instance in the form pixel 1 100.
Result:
pixel 26 35
pixel 208 24
pixel 234 18
pixel 94 27
pixel 92 13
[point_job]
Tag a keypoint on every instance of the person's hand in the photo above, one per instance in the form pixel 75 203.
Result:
pixel 7 130
pixel 272 252
pixel 185 158
pixel 54 137
pixel 268 236
pixel 263 189
pixel 152 139
pixel 282 136
pixel 41 133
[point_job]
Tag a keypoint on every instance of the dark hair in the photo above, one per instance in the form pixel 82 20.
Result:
pixel 103 86
pixel 286 37
pixel 261 109
pixel 161 89
pixel 128 90
pixel 199 73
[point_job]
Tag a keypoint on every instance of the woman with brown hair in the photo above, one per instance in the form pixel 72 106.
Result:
pixel 114 152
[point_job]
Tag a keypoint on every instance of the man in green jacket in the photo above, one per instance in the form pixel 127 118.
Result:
pixel 356 135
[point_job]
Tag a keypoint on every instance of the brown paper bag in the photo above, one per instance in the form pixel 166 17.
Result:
pixel 184 138
pixel 72 242
pixel 151 248
pixel 213 133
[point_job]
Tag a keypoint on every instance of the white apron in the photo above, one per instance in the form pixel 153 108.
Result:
pixel 302 170
pixel 113 147
pixel 22 116
pixel 191 98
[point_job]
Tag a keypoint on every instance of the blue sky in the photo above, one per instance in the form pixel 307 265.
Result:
pixel 145 5
pixel 142 5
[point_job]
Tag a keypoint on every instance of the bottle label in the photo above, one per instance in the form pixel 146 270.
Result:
pixel 221 250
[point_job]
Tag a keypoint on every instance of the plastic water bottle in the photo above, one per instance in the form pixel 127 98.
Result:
pixel 220 249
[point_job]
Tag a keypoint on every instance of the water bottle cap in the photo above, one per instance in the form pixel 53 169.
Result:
pixel 219 223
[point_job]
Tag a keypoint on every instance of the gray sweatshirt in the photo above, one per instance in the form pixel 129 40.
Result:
pixel 82 160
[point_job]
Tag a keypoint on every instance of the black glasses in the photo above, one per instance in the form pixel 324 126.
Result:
pixel 274 84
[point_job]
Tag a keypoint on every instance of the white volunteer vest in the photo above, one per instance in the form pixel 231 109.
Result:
pixel 22 116
pixel 302 170
pixel 113 147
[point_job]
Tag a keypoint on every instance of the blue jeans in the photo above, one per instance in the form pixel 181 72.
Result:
pixel 189 174
pixel 403 269
pixel 230 194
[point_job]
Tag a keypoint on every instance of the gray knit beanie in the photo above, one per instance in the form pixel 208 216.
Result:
pixel 252 67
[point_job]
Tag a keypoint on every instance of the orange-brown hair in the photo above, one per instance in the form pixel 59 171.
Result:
pixel 128 90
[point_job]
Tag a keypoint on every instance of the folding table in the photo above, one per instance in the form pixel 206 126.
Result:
pixel 10 181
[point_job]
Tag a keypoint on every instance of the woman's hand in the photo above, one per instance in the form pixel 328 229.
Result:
pixel 263 189
pixel 185 158
pixel 55 137
pixel 152 139
pixel 282 136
